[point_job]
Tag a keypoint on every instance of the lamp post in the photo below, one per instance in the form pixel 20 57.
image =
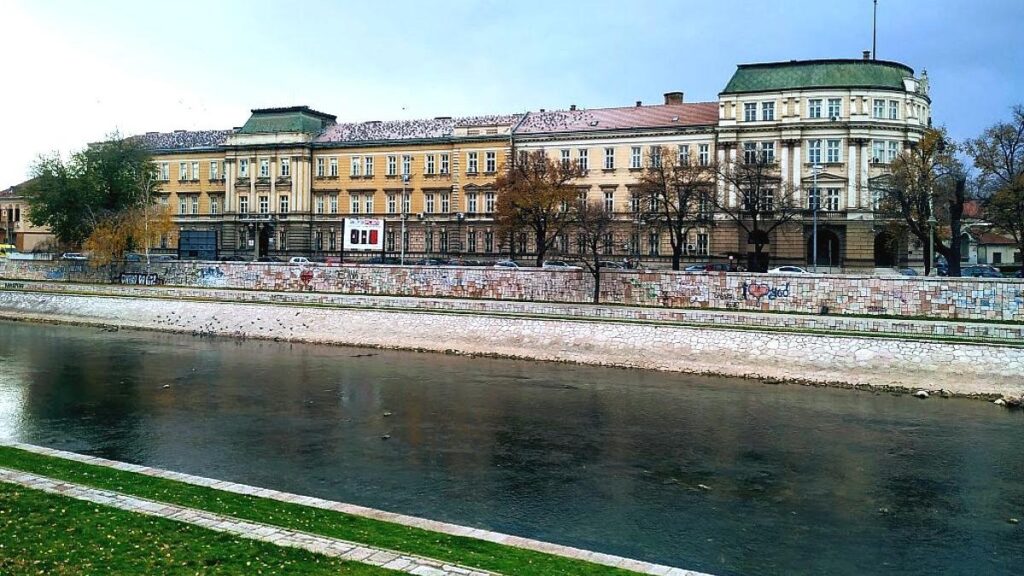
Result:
pixel 405 215
pixel 815 170
pixel 940 146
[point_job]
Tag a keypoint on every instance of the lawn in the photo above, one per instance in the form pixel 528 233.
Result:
pixel 56 535
pixel 455 549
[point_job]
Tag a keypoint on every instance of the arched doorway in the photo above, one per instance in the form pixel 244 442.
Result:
pixel 886 250
pixel 828 249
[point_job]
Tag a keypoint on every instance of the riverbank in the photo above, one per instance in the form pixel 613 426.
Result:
pixel 385 540
pixel 778 353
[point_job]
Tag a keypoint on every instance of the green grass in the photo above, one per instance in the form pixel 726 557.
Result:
pixel 49 534
pixel 459 550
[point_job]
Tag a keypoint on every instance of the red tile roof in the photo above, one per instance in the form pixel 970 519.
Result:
pixel 989 239
pixel 659 116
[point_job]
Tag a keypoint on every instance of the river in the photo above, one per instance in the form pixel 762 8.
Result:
pixel 725 476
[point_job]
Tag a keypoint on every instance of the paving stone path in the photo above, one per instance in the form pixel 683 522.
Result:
pixel 639 566
pixel 251 530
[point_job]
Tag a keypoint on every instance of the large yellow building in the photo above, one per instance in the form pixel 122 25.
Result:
pixel 281 184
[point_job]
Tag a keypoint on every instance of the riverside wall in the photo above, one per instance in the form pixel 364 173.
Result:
pixel 955 367
pixel 938 298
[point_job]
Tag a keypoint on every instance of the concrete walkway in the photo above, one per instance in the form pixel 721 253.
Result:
pixel 254 531
pixel 630 564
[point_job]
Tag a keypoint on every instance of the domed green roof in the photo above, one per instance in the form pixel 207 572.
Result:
pixel 795 75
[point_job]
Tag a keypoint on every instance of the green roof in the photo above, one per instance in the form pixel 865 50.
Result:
pixel 794 75
pixel 293 119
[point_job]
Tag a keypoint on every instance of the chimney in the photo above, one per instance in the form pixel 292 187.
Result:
pixel 867 54
pixel 673 97
pixel 638 103
pixel 572 107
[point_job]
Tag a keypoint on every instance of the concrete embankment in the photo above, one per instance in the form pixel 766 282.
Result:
pixel 960 368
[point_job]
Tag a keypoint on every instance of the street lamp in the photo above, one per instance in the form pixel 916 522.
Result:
pixel 816 202
pixel 940 146
pixel 405 214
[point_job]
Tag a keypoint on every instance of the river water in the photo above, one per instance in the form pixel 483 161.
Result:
pixel 720 475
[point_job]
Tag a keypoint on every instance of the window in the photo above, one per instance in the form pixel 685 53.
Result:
pixel 634 202
pixel 444 241
pixel 609 158
pixel 894 150
pixel 243 168
pixel 814 108
pixel 195 171
pixel 766 200
pixel 368 204
pixel 488 241
pixel 182 171
pixel 332 242
pixel 320 171
pixel 214 170
pixel 606 244
pixel 584 159
pixel 319 204
pixel 389 241
pixel 286 168
pixel 165 171
pixel 214 205
pixel 445 203
pixel 282 240
pixel 704 154
pixel 405 203
pixel 877 151
pixel 653 243
pixel 428 203
pixel 814 199
pixel 264 168
pixel 471 240
pixel 264 204
pixel 768 152
pixel 749 152
pixel 392 204
pixel 750 112
pixel 471 164
pixel 334 167
pixel 879 109
pixel 182 204
pixel 703 240
pixel 444 163
pixel 814 151
pixel 566 157
pixel 832 199
pixel 368 166
pixel 609 200
pixel 243 204
pixel 428 162
pixel 894 110
pixel 392 169
pixel 353 203
pixel 767 111
pixel 471 202
pixel 634 157
pixel 318 240
pixel 832 155
pixel 356 169
pixel 490 162
pixel 284 205
pixel 684 155
pixel 428 239
pixel 489 202
pixel 835 107
pixel 334 203
pixel 406 164
pixel 655 152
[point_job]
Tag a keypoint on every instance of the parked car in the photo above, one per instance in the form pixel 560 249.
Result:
pixel 907 272
pixel 980 271
pixel 233 259
pixel 709 267
pixel 1019 274
pixel 429 262
pixel 611 265
pixel 301 260
pixel 73 256
pixel 506 264
pixel 269 259
pixel 788 270
pixel 558 265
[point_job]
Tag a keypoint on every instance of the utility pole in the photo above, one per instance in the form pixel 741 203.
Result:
pixel 874 32
pixel 816 199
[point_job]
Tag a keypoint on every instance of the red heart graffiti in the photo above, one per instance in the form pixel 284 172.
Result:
pixel 306 276
pixel 757 290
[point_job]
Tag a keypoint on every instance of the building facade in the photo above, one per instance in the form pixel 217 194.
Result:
pixel 16 228
pixel 282 184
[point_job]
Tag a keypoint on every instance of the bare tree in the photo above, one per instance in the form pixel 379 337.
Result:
pixel 537 193
pixel 670 190
pixel 751 193
pixel 926 190
pixel 998 154
pixel 593 227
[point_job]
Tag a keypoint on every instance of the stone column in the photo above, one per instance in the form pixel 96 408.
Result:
pixel 851 176
pixel 797 170
pixel 864 159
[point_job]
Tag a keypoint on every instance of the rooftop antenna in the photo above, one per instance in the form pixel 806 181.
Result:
pixel 874 32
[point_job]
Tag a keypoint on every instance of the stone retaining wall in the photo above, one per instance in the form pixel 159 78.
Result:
pixel 959 368
pixel 946 298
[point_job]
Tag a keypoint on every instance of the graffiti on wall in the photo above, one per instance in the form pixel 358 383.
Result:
pixel 140 279
pixel 754 290
pixel 212 277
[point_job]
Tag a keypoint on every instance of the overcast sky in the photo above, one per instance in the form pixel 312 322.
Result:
pixel 74 71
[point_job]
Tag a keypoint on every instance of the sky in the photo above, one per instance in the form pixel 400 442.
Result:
pixel 72 72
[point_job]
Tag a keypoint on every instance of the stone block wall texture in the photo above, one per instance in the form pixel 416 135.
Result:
pixel 942 298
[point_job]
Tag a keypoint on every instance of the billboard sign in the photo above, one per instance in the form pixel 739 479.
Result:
pixel 364 234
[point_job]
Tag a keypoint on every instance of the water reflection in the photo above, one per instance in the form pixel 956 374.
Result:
pixel 719 475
